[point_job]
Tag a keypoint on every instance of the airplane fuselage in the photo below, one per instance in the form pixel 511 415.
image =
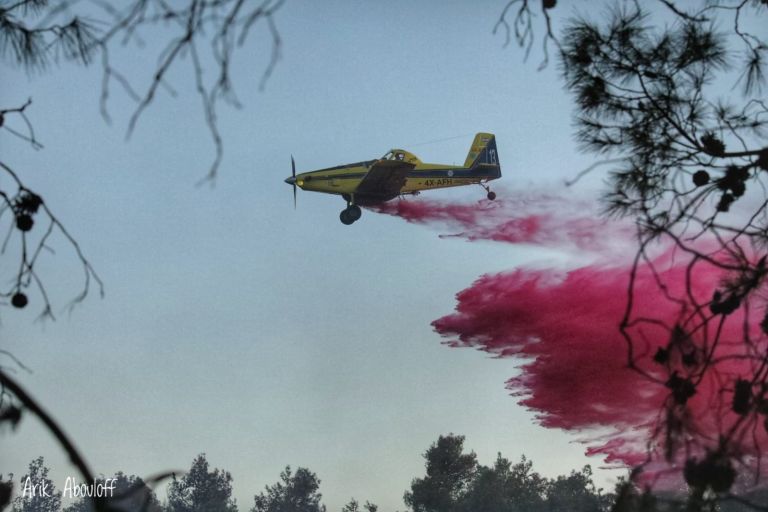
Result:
pixel 344 179
pixel 397 173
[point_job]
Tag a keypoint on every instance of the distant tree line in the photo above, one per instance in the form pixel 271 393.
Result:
pixel 454 481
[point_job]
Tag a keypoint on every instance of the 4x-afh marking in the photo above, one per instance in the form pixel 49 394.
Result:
pixel 397 173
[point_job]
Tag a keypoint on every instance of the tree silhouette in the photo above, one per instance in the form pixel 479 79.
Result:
pixel 129 494
pixel 6 491
pixel 132 494
pixel 455 482
pixel 201 490
pixel 38 494
pixel 449 474
pixel 506 488
pixel 354 506
pixel 297 492
pixel 688 165
pixel 575 492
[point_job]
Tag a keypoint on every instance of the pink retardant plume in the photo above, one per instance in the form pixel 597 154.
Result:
pixel 576 374
pixel 564 327
pixel 530 218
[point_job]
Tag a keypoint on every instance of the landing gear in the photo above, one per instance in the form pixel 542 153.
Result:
pixel 350 214
pixel 491 194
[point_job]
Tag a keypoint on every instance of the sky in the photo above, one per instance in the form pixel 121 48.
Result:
pixel 263 335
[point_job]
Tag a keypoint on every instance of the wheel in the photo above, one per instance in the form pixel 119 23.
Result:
pixel 491 195
pixel 345 217
pixel 354 212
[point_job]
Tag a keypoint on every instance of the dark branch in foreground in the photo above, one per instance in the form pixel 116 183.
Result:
pixel 66 32
pixel 10 385
pixel 25 209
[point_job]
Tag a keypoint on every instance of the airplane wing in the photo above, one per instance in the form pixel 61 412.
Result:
pixel 385 178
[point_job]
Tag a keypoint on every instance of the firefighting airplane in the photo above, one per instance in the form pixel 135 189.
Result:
pixel 398 173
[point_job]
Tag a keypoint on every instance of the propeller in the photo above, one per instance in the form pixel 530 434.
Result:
pixel 292 180
pixel 293 175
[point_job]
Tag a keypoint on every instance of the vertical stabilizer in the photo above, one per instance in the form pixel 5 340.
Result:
pixel 482 151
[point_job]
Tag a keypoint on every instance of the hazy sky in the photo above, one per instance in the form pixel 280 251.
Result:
pixel 262 335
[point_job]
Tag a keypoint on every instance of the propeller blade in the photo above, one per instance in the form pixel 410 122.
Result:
pixel 293 173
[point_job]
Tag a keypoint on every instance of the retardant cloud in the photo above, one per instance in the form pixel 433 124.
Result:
pixel 563 325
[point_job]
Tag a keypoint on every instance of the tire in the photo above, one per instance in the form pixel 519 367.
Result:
pixel 354 212
pixel 491 196
pixel 345 218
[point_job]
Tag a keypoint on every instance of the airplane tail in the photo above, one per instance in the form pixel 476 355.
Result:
pixel 483 152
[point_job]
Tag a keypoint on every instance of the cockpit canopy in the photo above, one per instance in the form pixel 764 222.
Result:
pixel 401 155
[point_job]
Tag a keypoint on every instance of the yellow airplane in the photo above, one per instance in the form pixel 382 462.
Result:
pixel 398 173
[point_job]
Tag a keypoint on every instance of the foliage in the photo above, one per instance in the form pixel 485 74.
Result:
pixel 36 491
pixel 629 499
pixel 506 488
pixel 689 162
pixel 34 34
pixel 501 487
pixel 132 494
pixel 686 157
pixel 297 492
pixel 201 490
pixel 455 482
pixel 449 474
pixel 354 506
pixel 575 492
pixel 129 494
pixel 6 491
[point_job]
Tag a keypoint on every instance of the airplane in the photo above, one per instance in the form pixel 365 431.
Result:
pixel 398 173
